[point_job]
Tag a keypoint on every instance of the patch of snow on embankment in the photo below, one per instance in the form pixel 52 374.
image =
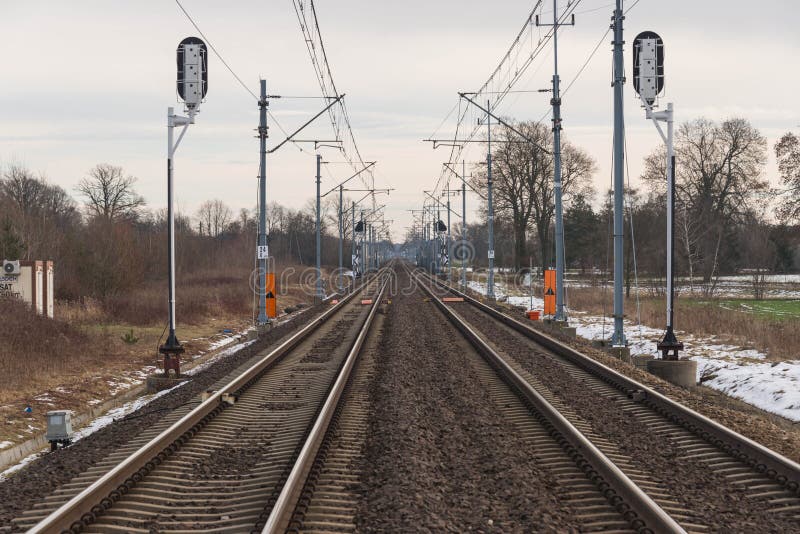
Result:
pixel 738 372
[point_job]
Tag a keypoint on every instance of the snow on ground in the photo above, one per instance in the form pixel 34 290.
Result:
pixel 742 373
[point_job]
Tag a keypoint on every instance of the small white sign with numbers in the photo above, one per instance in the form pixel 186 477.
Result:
pixel 263 252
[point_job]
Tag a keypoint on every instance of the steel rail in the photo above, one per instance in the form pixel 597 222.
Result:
pixel 282 511
pixel 102 493
pixel 764 460
pixel 636 506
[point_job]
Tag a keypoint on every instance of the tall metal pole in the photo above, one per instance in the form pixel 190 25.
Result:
pixel 561 314
pixel 353 243
pixel 320 294
pixel 363 244
pixel 670 220
pixel 618 338
pixel 341 234
pixel 490 282
pixel 262 207
pixel 669 346
pixel 449 270
pixel 464 222
pixel 172 342
pixel 436 234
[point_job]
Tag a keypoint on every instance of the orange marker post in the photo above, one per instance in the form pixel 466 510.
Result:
pixel 272 301
pixel 549 292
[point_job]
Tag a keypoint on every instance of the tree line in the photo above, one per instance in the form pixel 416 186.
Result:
pixel 728 218
pixel 105 239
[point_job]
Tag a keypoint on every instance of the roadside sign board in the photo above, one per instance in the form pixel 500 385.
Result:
pixel 550 292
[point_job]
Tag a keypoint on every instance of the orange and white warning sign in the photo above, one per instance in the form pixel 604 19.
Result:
pixel 271 301
pixel 549 292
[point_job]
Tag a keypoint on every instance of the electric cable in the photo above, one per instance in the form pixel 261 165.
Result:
pixel 208 41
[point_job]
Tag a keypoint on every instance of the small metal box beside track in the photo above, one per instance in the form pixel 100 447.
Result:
pixel 59 428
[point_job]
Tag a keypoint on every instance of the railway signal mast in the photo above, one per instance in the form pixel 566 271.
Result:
pixel 192 87
pixel 648 81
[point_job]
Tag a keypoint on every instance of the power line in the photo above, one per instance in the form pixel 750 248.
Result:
pixel 219 56
pixel 236 76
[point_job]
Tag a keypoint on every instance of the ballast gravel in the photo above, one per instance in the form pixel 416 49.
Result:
pixel 440 457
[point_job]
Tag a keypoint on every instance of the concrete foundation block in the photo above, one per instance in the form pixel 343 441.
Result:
pixel 159 383
pixel 640 360
pixel 682 373
pixel 561 327
pixel 620 353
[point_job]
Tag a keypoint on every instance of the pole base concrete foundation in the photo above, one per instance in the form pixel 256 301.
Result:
pixel 561 327
pixel 641 361
pixel 620 353
pixel 682 373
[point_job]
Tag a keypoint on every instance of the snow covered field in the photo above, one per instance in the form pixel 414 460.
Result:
pixel 742 373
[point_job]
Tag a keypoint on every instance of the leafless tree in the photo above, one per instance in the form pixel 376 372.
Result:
pixel 214 217
pixel 109 194
pixel 718 179
pixel 787 150
pixel 523 183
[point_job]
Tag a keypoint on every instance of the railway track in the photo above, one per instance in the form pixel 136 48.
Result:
pixel 220 463
pixel 278 446
pixel 702 474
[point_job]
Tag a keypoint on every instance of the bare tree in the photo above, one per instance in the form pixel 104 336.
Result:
pixel 523 184
pixel 718 178
pixel 787 150
pixel 214 217
pixel 32 209
pixel 109 193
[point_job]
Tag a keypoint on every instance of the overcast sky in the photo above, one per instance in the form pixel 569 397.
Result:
pixel 84 82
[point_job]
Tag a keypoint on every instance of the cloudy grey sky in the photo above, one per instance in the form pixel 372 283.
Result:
pixel 89 81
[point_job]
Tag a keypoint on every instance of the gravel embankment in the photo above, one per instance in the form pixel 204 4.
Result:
pixel 709 493
pixel 21 490
pixel 439 456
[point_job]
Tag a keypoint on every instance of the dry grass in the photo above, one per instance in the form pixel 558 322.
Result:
pixel 779 339
pixel 80 357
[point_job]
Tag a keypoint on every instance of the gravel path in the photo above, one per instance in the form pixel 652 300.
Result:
pixel 24 488
pixel 722 504
pixel 439 458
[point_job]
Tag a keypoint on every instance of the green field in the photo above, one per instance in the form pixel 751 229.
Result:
pixel 780 310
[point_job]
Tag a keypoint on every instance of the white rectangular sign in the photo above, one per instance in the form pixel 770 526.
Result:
pixel 263 252
pixel 491 254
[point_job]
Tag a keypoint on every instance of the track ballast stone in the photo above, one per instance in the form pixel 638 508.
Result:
pixel 439 458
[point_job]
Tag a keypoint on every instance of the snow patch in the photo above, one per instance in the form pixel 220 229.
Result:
pixel 743 373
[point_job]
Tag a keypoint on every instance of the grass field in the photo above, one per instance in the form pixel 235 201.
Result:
pixel 773 309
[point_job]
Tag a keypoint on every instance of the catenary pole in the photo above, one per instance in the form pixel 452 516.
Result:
pixel 490 282
pixel 464 222
pixel 558 185
pixel 618 338
pixel 341 234
pixel 449 270
pixel 320 295
pixel 262 318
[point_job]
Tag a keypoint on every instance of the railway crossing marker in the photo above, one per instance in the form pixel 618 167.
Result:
pixel 192 85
